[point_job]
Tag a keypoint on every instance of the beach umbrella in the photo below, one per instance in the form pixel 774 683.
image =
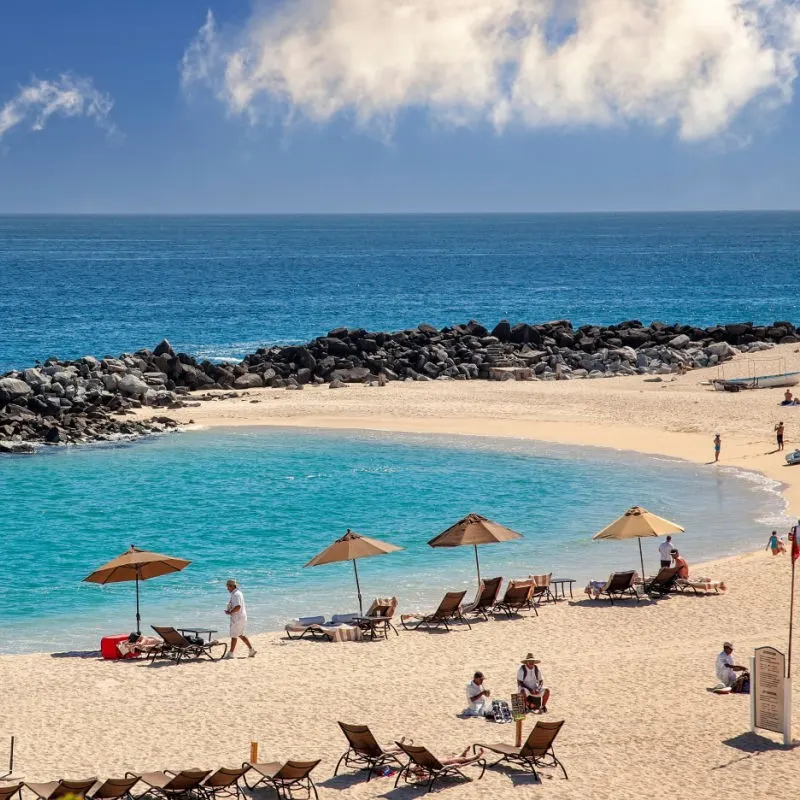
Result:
pixel 136 565
pixel 638 523
pixel 474 529
pixel 351 547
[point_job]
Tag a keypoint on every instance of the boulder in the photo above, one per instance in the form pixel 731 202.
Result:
pixel 131 385
pixel 354 375
pixel 250 380
pixel 12 388
pixel 680 342
pixel 722 350
pixel 163 348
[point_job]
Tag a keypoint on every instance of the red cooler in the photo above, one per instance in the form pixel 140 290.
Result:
pixel 108 647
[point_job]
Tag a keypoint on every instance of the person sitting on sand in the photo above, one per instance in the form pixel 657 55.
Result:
pixel 775 544
pixel 476 697
pixel 788 399
pixel 531 685
pixel 717 446
pixel 727 671
pixel 680 562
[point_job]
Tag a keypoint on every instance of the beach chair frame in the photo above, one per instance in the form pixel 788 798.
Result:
pixel 224 782
pixel 486 599
pixel 283 777
pixel 517 596
pixel 620 585
pixel 665 582
pixel 55 789
pixel 113 789
pixel 7 792
pixel 169 785
pixel 536 751
pixel 177 647
pixel 424 767
pixel 364 752
pixel 541 589
pixel 449 610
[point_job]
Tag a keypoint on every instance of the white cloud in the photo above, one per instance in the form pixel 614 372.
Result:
pixel 68 96
pixel 694 64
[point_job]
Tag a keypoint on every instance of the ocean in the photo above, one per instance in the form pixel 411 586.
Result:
pixel 257 504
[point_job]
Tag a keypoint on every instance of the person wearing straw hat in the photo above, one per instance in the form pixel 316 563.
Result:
pixel 727 671
pixel 238 618
pixel 531 685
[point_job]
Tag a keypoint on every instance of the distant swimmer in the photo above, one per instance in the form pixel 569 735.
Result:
pixel 717 446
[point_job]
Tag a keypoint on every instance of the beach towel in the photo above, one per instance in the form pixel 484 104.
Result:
pixel 144 644
pixel 342 633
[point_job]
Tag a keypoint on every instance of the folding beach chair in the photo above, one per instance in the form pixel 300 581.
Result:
pixel 381 613
pixel 364 752
pixel 8 792
pixel 283 777
pixel 177 647
pixel 423 766
pixel 449 611
pixel 536 751
pixel 113 789
pixel 170 785
pixel 485 599
pixel 541 589
pixel 224 782
pixel 55 789
pixel 663 583
pixel 619 585
pixel 518 596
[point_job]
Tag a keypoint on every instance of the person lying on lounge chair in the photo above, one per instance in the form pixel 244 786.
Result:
pixel 531 685
pixel 477 695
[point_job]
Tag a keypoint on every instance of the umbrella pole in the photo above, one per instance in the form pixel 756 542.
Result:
pixel 641 557
pixel 477 564
pixel 358 589
pixel 138 618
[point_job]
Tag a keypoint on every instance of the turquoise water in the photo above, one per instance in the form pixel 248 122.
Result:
pixel 258 503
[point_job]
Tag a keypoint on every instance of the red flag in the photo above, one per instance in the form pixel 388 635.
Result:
pixel 795 544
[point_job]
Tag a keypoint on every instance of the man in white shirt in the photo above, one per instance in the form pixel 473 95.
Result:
pixel 531 685
pixel 665 550
pixel 726 669
pixel 238 618
pixel 476 697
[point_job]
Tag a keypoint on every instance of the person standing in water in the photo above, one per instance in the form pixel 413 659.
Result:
pixel 779 435
pixel 717 446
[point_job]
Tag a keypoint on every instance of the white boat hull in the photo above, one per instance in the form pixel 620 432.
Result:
pixel 759 382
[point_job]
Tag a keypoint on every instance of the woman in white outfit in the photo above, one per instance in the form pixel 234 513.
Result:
pixel 238 614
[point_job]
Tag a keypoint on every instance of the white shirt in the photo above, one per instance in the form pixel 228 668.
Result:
pixel 475 706
pixel 237 599
pixel 531 678
pixel 665 548
pixel 724 672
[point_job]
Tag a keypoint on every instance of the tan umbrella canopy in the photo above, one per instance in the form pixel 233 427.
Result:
pixel 351 547
pixel 136 565
pixel 474 529
pixel 638 523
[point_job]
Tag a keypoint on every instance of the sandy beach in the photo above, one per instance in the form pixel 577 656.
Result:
pixel 630 681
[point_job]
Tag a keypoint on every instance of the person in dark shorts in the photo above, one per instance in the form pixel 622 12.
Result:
pixel 779 435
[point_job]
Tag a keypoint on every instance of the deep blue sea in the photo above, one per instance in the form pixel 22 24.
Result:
pixel 258 504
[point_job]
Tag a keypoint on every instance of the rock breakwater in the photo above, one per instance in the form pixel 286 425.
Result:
pixel 86 400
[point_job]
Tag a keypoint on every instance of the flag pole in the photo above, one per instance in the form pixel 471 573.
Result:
pixel 795 552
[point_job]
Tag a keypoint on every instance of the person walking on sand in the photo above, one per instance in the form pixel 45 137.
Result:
pixel 779 435
pixel 717 446
pixel 665 551
pixel 775 544
pixel 238 618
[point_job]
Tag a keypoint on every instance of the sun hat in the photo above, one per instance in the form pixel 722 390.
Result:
pixel 530 657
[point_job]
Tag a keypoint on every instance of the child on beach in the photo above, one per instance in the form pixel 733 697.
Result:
pixel 775 544
pixel 717 446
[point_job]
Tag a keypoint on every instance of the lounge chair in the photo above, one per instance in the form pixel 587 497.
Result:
pixel 541 589
pixel 170 785
pixel 449 611
pixel 424 766
pixel 113 789
pixel 518 596
pixel 663 583
pixel 485 599
pixel 700 585
pixel 177 647
pixel 536 751
pixel 54 789
pixel 364 752
pixel 381 613
pixel 619 585
pixel 282 777
pixel 305 627
pixel 7 792
pixel 224 782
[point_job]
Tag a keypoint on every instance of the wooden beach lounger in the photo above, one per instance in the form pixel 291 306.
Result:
pixel 663 583
pixel 224 782
pixel 283 777
pixel 518 596
pixel 424 766
pixel 7 792
pixel 177 647
pixel 619 585
pixel 485 599
pixel 536 751
pixel 364 752
pixel 449 611
pixel 55 789
pixel 170 785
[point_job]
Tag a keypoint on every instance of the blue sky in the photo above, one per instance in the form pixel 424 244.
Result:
pixel 218 145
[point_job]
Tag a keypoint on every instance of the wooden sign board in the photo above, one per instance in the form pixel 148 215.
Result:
pixel 517 705
pixel 768 689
